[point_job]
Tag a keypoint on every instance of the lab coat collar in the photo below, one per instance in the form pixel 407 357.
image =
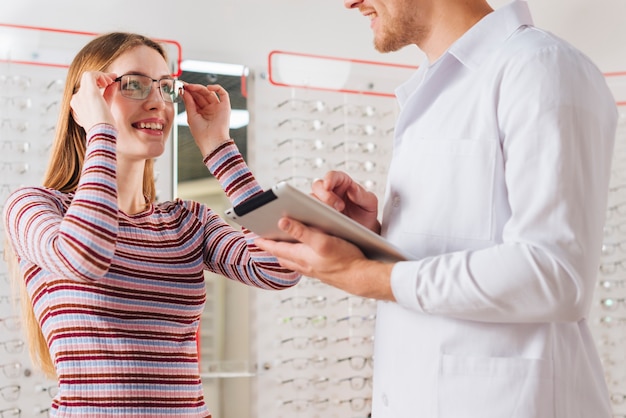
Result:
pixel 476 44
pixel 489 33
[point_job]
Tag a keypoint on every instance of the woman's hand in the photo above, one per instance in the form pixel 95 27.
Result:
pixel 208 114
pixel 88 104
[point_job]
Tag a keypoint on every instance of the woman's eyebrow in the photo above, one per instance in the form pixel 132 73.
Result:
pixel 139 72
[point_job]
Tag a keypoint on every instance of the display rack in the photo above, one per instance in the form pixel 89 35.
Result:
pixel 33 67
pixel 310 114
pixel 608 313
pixel 312 344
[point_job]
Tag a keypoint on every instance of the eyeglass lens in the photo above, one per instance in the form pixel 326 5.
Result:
pixel 136 86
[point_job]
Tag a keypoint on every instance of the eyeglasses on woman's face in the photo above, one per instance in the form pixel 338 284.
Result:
pixel 137 86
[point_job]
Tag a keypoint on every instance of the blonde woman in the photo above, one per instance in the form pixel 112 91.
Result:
pixel 114 280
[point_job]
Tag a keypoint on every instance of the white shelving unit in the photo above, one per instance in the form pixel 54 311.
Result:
pixel 33 66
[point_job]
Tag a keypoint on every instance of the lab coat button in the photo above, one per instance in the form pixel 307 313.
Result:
pixel 396 201
pixel 385 400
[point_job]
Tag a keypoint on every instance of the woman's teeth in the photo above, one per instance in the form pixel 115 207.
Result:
pixel 151 125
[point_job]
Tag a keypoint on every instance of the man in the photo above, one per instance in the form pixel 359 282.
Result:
pixel 498 188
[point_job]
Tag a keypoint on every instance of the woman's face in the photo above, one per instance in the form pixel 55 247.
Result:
pixel 143 124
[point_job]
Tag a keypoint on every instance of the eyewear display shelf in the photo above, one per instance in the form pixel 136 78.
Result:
pixel 33 67
pixel 314 343
pixel 310 114
pixel 608 313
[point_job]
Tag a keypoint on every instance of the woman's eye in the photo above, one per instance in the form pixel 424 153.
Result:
pixel 167 88
pixel 133 85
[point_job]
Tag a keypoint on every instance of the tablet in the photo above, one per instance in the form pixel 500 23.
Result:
pixel 260 214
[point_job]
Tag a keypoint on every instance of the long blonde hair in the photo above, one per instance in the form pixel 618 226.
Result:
pixel 66 163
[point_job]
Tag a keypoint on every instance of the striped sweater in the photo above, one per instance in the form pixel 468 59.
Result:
pixel 118 296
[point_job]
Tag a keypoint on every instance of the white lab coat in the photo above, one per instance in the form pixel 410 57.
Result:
pixel 498 187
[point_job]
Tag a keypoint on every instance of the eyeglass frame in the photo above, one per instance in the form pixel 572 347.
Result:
pixel 178 85
pixel 10 392
pixel 15 412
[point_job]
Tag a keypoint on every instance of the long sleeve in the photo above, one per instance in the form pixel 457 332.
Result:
pixel 229 255
pixel 511 228
pixel 498 189
pixel 78 243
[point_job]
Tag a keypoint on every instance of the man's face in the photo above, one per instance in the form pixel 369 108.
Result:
pixel 396 23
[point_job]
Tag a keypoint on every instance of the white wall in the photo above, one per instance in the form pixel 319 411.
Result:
pixel 245 31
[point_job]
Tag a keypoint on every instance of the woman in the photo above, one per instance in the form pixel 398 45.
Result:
pixel 114 280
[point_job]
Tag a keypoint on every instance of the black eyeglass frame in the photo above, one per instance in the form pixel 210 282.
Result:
pixel 174 97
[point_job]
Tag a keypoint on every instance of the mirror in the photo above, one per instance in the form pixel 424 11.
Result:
pixel 223 340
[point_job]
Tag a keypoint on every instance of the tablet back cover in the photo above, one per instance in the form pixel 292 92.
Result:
pixel 261 213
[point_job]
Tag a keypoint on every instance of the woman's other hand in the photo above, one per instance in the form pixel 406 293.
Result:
pixel 208 114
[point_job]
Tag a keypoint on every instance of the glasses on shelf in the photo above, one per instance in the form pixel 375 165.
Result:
pixel 356 321
pixel 617 210
pixel 608 284
pixel 353 129
pixel 302 342
pixel 42 411
pixel 356 382
pixel 12 323
pixel 307 124
pixel 300 363
pixel 138 87
pixel 356 403
pixel 610 341
pixel 13 346
pixel 619 187
pixel 356 340
pixel 356 165
pixel 303 143
pixel 309 162
pixel 55 86
pixel 611 267
pixel 355 301
pixel 611 360
pixel 16 125
pixel 300 182
pixel 613 379
pixel 301 302
pixel 611 321
pixel 301 383
pixel 609 248
pixel 10 393
pixel 351 109
pixel 303 404
pixel 357 362
pixel 300 104
pixel 17 167
pixel 10 413
pixel 21 103
pixel 51 390
pixel 301 321
pixel 21 82
pixel 12 370
pixel 18 146
pixel 618 398
pixel 356 146
pixel 50 108
pixel 611 304
pixel 616 228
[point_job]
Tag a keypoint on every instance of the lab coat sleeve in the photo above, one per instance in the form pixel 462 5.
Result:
pixel 557 122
